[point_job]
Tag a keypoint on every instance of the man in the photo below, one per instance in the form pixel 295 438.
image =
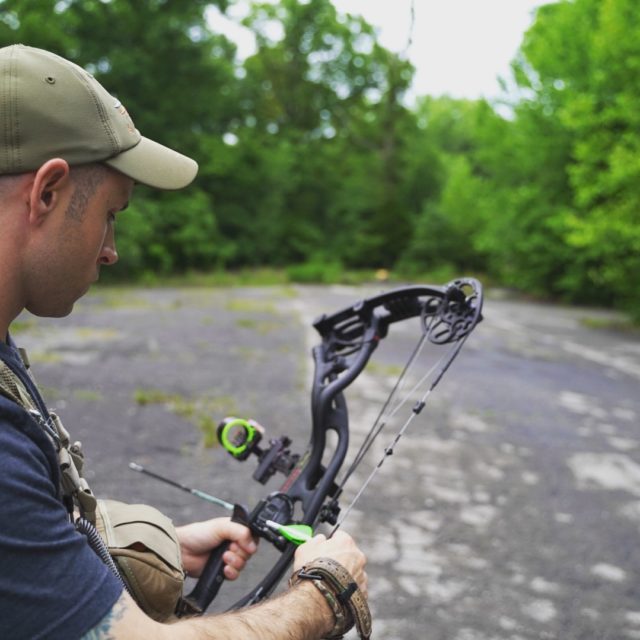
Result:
pixel 69 158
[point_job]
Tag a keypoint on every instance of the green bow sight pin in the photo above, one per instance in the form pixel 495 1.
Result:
pixel 240 437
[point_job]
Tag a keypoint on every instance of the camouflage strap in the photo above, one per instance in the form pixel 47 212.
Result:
pixel 348 603
pixel 70 456
pixel 12 388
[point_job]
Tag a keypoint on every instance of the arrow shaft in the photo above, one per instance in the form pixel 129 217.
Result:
pixel 196 492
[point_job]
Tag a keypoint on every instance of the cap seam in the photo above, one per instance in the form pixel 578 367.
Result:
pixel 4 84
pixel 17 146
pixel 104 119
pixel 11 132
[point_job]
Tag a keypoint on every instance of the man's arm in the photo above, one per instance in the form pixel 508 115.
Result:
pixel 301 613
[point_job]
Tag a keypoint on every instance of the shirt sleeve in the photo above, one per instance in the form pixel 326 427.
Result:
pixel 52 584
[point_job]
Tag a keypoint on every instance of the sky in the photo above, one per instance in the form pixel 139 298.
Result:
pixel 459 47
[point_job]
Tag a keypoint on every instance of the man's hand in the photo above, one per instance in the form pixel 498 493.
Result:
pixel 301 613
pixel 198 539
pixel 340 548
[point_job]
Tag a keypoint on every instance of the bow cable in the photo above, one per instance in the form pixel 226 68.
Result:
pixel 383 418
pixel 417 408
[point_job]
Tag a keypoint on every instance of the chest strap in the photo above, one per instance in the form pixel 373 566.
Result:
pixel 74 486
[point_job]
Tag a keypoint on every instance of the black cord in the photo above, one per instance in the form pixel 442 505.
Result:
pixel 98 545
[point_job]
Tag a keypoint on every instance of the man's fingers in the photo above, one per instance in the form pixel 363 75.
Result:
pixel 236 560
pixel 240 536
pixel 363 583
pixel 230 573
pixel 246 547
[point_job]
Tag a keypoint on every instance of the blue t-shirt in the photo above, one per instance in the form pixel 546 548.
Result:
pixel 52 585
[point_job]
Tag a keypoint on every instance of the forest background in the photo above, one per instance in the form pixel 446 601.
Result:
pixel 313 163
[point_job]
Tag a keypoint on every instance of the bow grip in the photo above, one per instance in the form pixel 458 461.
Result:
pixel 208 584
pixel 212 575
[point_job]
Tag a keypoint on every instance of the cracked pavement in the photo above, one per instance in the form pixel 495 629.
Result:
pixel 510 509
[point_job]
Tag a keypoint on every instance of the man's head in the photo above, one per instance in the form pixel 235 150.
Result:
pixel 69 158
pixel 58 232
pixel 52 108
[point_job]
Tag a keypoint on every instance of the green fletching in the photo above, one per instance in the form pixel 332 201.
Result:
pixel 296 533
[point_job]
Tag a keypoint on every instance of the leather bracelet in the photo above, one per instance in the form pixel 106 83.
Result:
pixel 347 602
pixel 343 621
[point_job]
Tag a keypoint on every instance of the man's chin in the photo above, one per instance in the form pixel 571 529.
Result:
pixel 53 311
pixel 57 307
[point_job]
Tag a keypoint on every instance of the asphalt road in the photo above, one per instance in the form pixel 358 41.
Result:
pixel 510 510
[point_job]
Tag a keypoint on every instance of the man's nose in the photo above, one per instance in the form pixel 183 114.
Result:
pixel 109 255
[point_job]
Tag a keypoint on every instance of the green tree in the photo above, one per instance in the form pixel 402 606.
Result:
pixel 580 67
pixel 176 78
pixel 329 94
pixel 460 144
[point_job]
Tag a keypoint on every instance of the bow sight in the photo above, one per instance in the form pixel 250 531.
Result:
pixel 311 492
pixel 241 439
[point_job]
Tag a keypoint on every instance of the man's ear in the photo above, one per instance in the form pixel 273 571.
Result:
pixel 50 181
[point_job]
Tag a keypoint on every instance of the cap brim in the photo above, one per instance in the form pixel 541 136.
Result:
pixel 155 165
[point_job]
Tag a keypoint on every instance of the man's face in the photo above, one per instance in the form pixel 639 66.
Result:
pixel 74 248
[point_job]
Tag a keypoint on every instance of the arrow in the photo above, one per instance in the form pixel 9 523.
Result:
pixel 196 492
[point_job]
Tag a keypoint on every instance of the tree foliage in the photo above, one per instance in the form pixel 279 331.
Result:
pixel 309 152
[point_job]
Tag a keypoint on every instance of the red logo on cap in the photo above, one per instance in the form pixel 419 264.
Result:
pixel 125 114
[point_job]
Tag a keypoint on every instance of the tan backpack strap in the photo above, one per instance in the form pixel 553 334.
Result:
pixel 12 388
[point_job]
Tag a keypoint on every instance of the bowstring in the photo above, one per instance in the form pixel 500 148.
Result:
pixel 379 424
pixel 452 354
pixel 383 417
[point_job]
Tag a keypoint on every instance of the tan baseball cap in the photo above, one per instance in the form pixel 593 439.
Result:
pixel 52 108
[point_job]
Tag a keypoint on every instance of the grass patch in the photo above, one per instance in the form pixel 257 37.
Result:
pixel 386 370
pixel 260 326
pixel 91 333
pixel 219 278
pixel 22 326
pixel 144 397
pixel 119 297
pixel 313 272
pixel 46 357
pixel 204 411
pixel 316 272
pixel 611 324
pixel 51 394
pixel 286 292
pixel 249 354
pixel 243 305
pixel 88 395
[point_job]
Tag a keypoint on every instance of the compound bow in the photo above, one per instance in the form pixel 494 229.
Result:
pixel 310 493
